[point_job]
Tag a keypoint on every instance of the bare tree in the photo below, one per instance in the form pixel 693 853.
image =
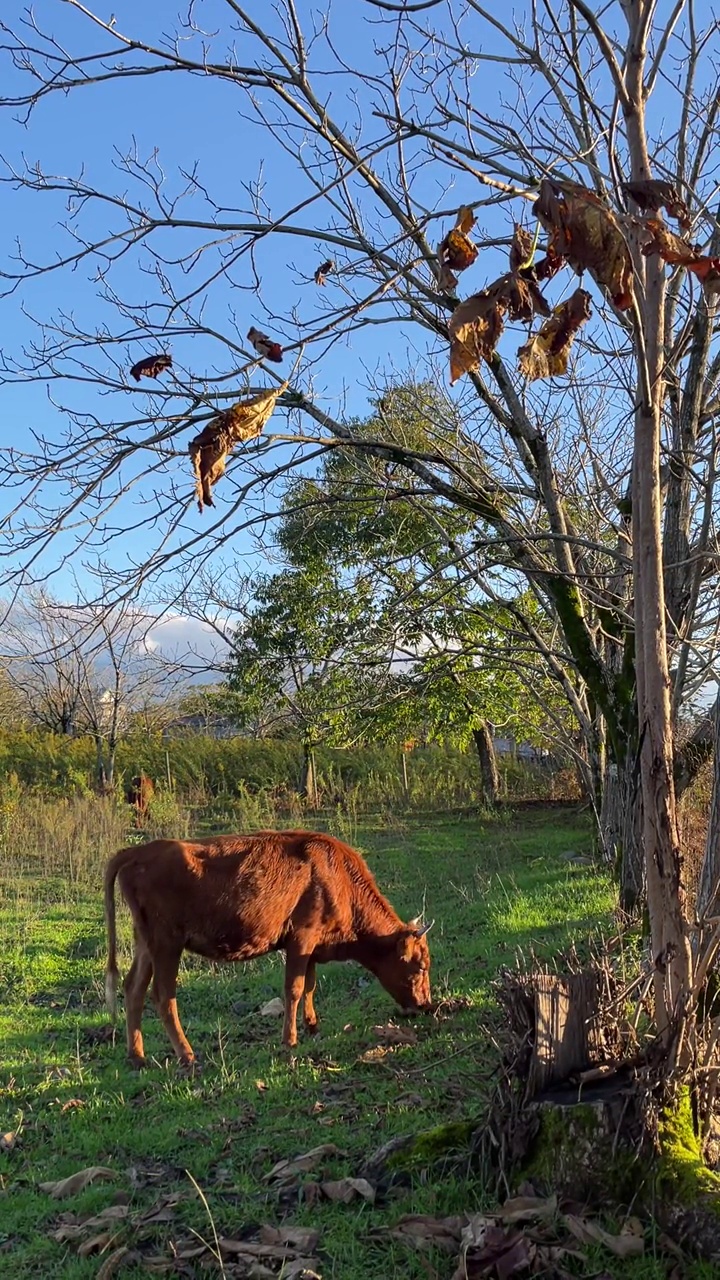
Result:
pixel 600 490
pixel 82 670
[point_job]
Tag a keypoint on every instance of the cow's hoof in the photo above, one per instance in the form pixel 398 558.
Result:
pixel 189 1066
pixel 135 1062
pixel 312 1028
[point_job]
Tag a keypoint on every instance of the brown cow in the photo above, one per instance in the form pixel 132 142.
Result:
pixel 139 793
pixel 238 897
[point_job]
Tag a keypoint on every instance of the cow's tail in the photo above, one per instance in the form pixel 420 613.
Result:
pixel 111 970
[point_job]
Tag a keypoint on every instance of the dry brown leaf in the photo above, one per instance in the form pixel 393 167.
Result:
pixel 475 328
pixel 347 1189
pixel 209 451
pixel 304 1238
pixel 95 1244
pixel 325 269
pixel 73 1104
pixel 528 1208
pixel 423 1231
pixel 112 1262
pixel 392 1034
pixel 587 233
pixel 8 1141
pixel 654 194
pixel 113 1213
pixel 77 1181
pixel 626 1245
pixel 496 1252
pixel 521 248
pixel 457 252
pixel 676 251
pixel 547 352
pixel 287 1170
pixel 151 366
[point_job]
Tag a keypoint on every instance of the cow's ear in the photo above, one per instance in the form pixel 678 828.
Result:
pixel 405 945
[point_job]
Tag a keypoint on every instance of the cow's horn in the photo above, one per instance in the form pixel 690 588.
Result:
pixel 424 928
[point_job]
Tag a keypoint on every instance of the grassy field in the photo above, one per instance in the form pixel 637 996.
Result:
pixel 70 1100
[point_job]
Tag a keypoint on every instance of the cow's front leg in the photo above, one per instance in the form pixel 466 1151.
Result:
pixel 296 967
pixel 309 1015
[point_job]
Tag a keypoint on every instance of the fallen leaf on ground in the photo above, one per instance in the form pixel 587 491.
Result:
pixel 347 1189
pixel 498 1251
pixel 77 1181
pixel 626 1245
pixel 423 1231
pixel 295 1237
pixel 112 1262
pixel 273 1009
pixel 8 1141
pixel 288 1169
pixel 527 1208
pixel 391 1034
pixel 73 1104
pixel 95 1244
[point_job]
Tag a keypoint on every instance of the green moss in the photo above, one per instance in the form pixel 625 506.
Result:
pixel 574 1150
pixel 682 1173
pixel 432 1144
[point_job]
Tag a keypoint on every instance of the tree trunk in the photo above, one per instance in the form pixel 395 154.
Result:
pixel 709 884
pixel 621 832
pixel 488 763
pixel 308 786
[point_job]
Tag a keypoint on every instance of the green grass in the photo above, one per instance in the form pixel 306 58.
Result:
pixel 493 888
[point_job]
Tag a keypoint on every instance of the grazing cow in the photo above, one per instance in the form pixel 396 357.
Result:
pixel 237 897
pixel 139 793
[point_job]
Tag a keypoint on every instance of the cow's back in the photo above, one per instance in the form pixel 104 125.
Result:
pixel 234 897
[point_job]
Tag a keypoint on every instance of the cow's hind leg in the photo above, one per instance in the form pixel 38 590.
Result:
pixel 135 988
pixel 309 1015
pixel 296 966
pixel 164 992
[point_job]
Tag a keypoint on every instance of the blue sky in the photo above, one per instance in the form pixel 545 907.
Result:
pixel 180 121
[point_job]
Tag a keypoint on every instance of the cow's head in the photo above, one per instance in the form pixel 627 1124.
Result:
pixel 404 970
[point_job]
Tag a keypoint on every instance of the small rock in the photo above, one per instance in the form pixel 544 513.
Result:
pixel 273 1009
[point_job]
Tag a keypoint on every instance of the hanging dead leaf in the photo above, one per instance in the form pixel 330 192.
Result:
pixel 324 270
pixel 347 1189
pixel 457 251
pixel 475 328
pixel 677 252
pixel 209 451
pixel 587 233
pixel 151 366
pixel 287 1170
pixel 521 248
pixel 547 352
pixel 77 1182
pixel 627 1245
pixel 655 194
pixel 669 246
